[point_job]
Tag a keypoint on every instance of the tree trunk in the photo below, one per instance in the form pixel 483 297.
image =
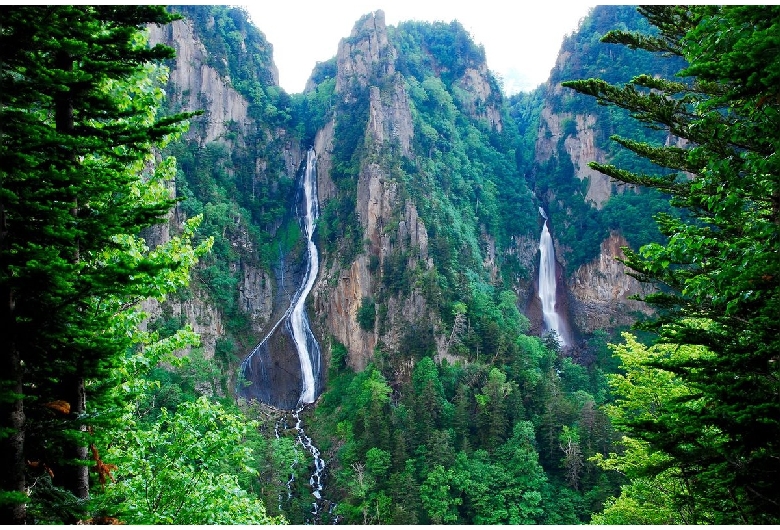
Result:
pixel 12 477
pixel 74 475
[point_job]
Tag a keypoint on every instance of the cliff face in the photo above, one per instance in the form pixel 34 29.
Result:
pixel 427 216
pixel 365 60
pixel 579 146
pixel 224 127
pixel 476 94
pixel 601 289
pixel 416 213
pixel 598 291
pixel 591 217
pixel 199 85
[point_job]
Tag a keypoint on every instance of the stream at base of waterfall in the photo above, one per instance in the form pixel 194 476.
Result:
pixel 316 483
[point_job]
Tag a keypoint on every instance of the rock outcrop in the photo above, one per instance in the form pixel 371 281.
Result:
pixel 478 98
pixel 601 290
pixel 205 319
pixel 366 55
pixel 578 132
pixel 199 85
pixel 390 223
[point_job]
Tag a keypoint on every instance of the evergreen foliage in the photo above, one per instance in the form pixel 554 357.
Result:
pixel 78 111
pixel 718 270
pixel 467 444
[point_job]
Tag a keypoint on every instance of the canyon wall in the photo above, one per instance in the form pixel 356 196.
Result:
pixel 194 83
pixel 367 60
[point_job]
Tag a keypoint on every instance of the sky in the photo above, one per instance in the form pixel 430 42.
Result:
pixel 521 39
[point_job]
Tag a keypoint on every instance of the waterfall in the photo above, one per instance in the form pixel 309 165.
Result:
pixel 306 344
pixel 547 283
pixel 294 318
pixel 297 324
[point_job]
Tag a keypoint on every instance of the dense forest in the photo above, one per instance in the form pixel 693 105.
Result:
pixel 149 239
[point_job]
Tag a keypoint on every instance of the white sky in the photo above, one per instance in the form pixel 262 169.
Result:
pixel 521 39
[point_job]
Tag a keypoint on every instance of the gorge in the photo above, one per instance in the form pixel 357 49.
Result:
pixel 426 281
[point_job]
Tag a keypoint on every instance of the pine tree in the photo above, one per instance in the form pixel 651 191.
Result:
pixel 719 272
pixel 77 107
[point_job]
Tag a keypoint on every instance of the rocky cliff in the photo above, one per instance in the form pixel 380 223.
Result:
pixel 425 201
pixel 597 291
pixel 579 146
pixel 198 85
pixel 591 217
pixel 389 224
pixel 393 192
pixel 199 79
pixel 601 290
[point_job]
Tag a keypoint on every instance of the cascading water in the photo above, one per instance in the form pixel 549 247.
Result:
pixel 316 482
pixel 547 283
pixel 295 319
pixel 306 344
pixel 297 324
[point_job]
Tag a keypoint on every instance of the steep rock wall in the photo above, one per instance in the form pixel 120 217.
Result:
pixel 389 223
pixel 194 84
pixel 365 55
pixel 597 295
pixel 578 132
pixel 597 292
pixel 199 86
pixel 477 96
pixel 603 283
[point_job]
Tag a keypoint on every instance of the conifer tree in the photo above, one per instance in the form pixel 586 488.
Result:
pixel 719 272
pixel 77 115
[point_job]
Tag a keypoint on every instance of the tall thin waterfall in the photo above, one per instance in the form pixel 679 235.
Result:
pixel 297 325
pixel 295 320
pixel 308 348
pixel 547 283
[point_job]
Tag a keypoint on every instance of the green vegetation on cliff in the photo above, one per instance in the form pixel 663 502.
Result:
pixel 505 437
pixel 576 221
pixel 238 181
pixel 459 416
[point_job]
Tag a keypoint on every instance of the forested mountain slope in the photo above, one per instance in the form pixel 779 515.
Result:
pixel 237 166
pixel 428 234
pixel 444 212
pixel 451 173
pixel 591 215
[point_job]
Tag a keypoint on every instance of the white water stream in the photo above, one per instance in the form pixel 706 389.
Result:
pixel 295 317
pixel 547 283
pixel 305 343
pixel 302 334
pixel 316 480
